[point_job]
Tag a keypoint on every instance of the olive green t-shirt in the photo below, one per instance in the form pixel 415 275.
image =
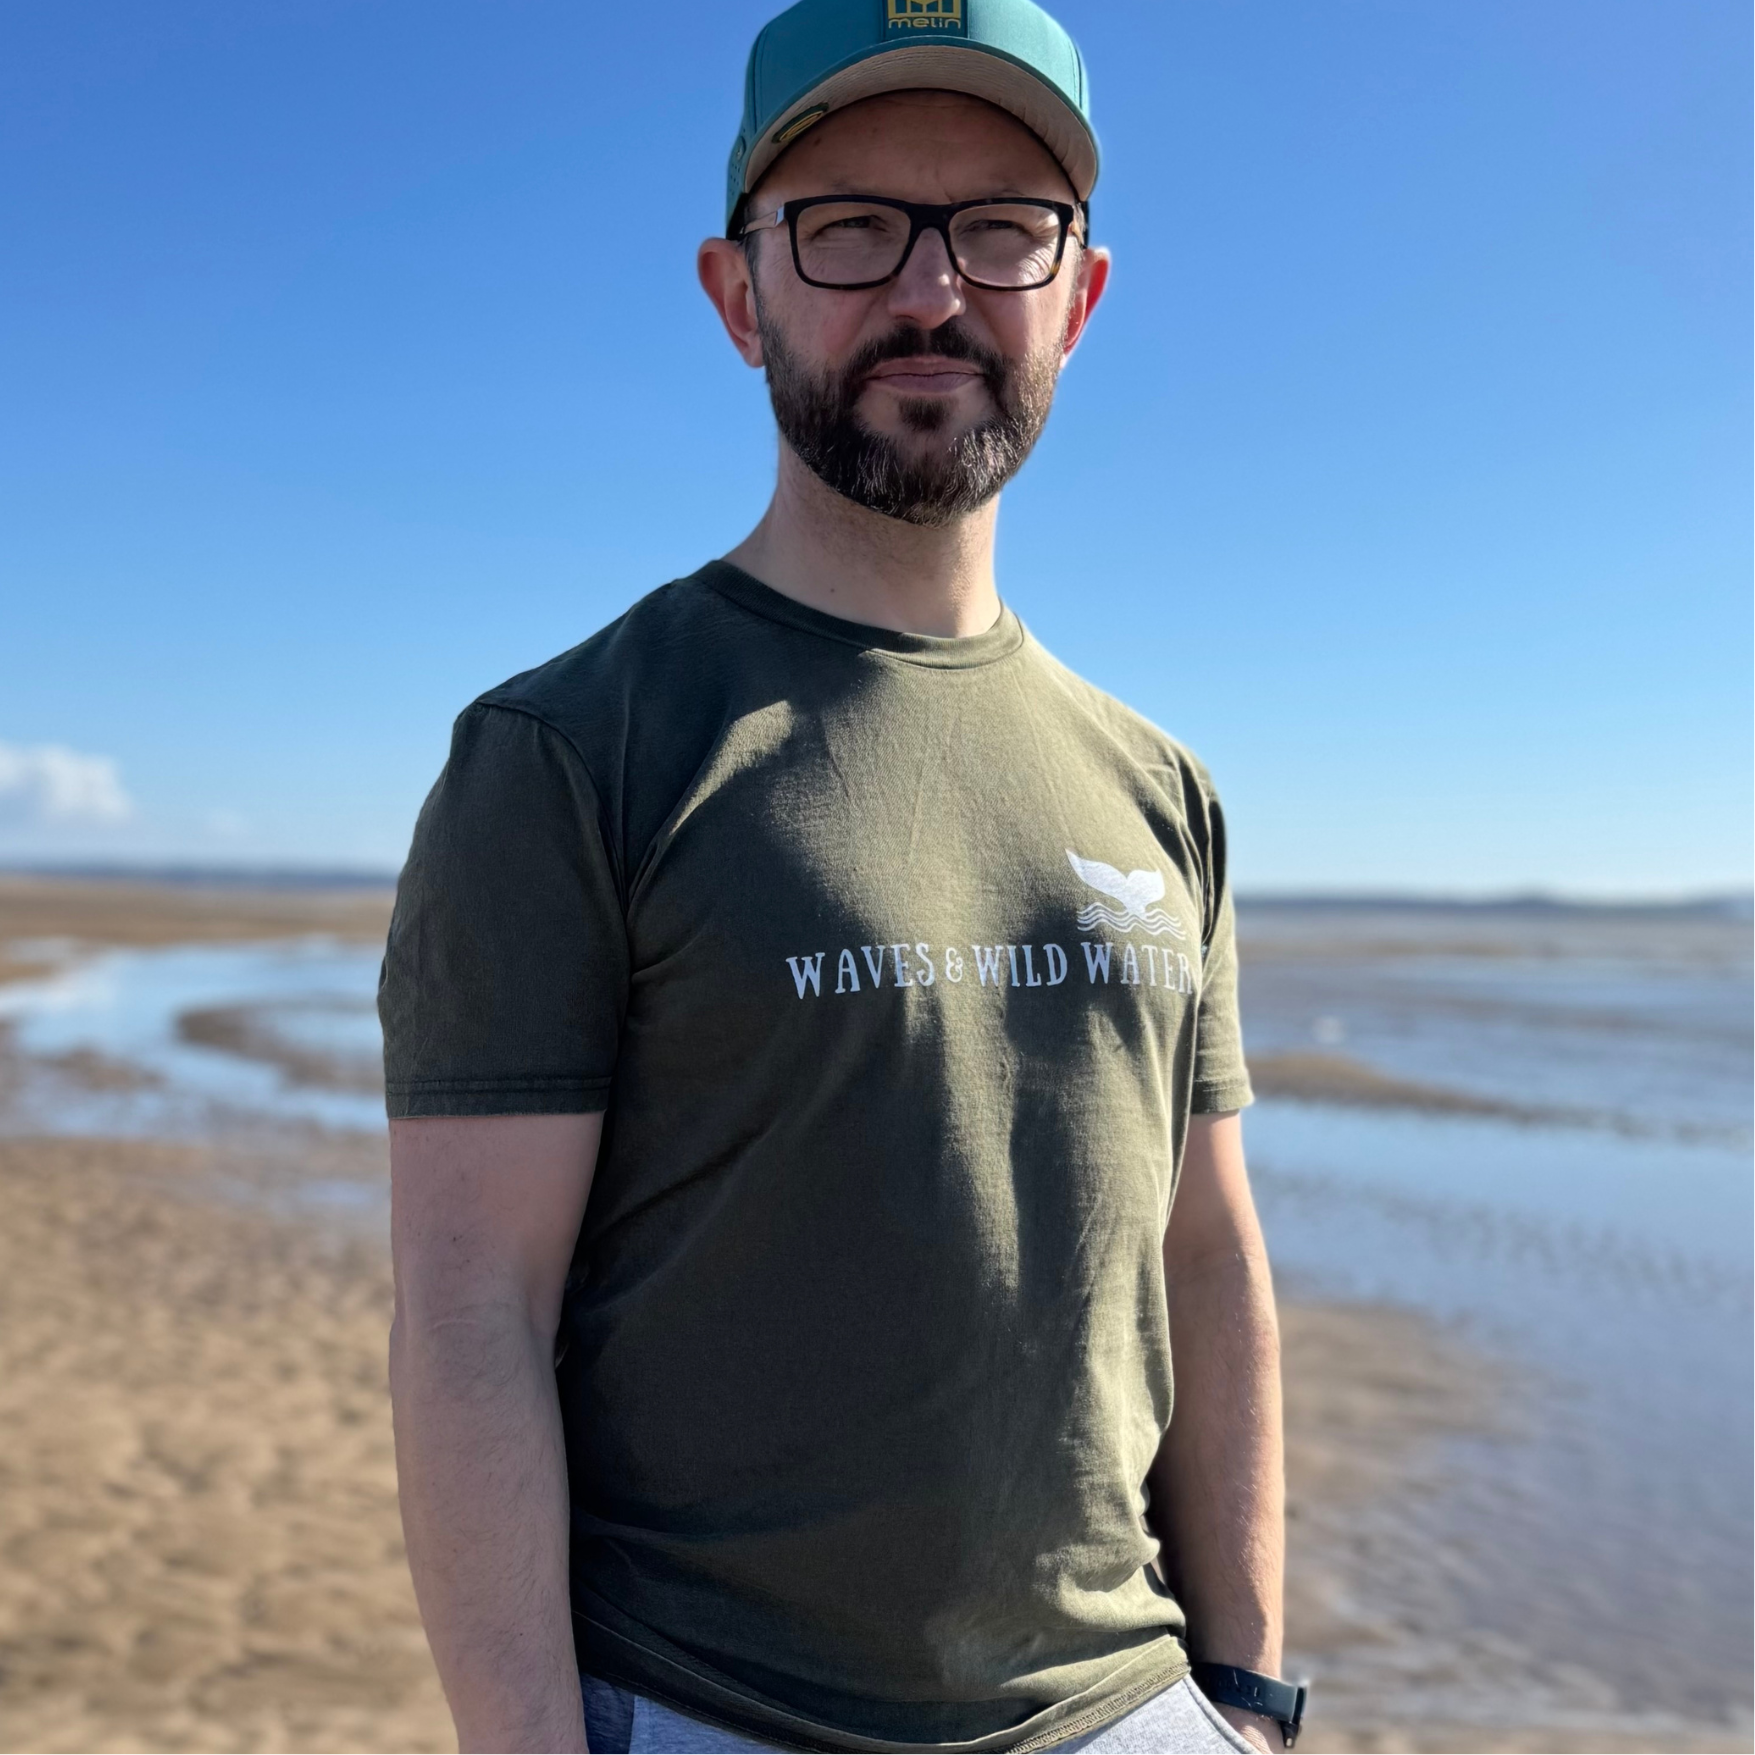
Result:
pixel 897 966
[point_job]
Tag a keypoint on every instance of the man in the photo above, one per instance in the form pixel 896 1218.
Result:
pixel 804 1000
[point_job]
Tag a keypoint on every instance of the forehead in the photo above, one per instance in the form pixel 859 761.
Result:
pixel 917 145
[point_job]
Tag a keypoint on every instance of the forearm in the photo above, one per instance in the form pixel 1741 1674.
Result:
pixel 1218 1486
pixel 483 1482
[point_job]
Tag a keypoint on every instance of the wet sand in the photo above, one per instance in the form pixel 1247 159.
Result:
pixel 1307 1076
pixel 41 918
pixel 243 1030
pixel 1310 1077
pixel 1375 1396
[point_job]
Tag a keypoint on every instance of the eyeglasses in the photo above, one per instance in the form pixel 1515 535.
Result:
pixel 851 242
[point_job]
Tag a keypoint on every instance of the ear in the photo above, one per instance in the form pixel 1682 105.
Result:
pixel 724 269
pixel 1088 289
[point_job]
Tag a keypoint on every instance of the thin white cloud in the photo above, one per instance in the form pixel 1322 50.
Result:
pixel 49 783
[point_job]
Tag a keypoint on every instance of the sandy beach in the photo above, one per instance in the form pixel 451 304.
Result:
pixel 198 1512
pixel 199 1543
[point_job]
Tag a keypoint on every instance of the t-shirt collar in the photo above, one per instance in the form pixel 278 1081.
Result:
pixel 965 652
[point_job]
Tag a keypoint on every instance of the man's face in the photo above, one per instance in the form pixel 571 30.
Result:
pixel 922 397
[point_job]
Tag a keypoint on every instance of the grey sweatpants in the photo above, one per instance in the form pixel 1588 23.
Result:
pixel 1180 1721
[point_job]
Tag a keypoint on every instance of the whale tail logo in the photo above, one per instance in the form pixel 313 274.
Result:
pixel 1130 897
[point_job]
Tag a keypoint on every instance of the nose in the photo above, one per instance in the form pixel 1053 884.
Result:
pixel 928 291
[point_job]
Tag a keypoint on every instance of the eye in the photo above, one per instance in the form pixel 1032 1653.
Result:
pixel 846 222
pixel 1002 224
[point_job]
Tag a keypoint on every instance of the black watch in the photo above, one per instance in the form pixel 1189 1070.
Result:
pixel 1251 1691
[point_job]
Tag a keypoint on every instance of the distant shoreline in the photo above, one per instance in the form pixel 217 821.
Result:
pixel 207 877
pixel 1709 904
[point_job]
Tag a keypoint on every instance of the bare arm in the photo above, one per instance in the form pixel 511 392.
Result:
pixel 484 1214
pixel 1218 1484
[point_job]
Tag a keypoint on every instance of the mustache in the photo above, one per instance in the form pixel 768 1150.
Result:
pixel 950 340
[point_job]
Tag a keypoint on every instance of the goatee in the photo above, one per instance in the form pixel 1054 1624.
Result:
pixel 936 482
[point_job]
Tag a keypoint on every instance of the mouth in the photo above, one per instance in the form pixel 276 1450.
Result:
pixel 924 375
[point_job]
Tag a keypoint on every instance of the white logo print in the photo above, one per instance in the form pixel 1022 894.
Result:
pixel 1136 891
pixel 1129 900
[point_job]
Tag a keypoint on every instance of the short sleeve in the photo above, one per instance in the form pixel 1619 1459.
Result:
pixel 505 977
pixel 1221 1079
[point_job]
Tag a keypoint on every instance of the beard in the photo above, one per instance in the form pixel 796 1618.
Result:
pixel 929 483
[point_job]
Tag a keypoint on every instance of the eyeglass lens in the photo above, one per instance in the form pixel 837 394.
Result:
pixel 1005 244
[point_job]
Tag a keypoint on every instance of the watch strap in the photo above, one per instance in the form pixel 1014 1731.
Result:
pixel 1251 1691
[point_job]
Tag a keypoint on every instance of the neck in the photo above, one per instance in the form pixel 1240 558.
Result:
pixel 822 550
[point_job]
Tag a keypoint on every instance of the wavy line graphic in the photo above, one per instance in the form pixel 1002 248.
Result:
pixel 1154 920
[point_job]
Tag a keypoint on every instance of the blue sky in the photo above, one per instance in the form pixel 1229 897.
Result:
pixel 351 360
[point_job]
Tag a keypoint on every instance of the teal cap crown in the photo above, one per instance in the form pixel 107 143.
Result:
pixel 822 54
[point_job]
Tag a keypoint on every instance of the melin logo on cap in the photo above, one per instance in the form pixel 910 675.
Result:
pixel 925 15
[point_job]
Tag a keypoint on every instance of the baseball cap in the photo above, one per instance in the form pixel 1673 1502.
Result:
pixel 820 55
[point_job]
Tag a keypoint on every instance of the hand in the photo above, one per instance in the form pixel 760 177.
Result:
pixel 1256 1730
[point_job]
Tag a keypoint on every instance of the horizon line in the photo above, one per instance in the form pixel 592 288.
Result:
pixel 1531 897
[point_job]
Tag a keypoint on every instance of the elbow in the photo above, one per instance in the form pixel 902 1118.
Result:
pixel 1239 1257
pixel 462 1345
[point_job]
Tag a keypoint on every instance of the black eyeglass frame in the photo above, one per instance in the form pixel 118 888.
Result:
pixel 922 217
